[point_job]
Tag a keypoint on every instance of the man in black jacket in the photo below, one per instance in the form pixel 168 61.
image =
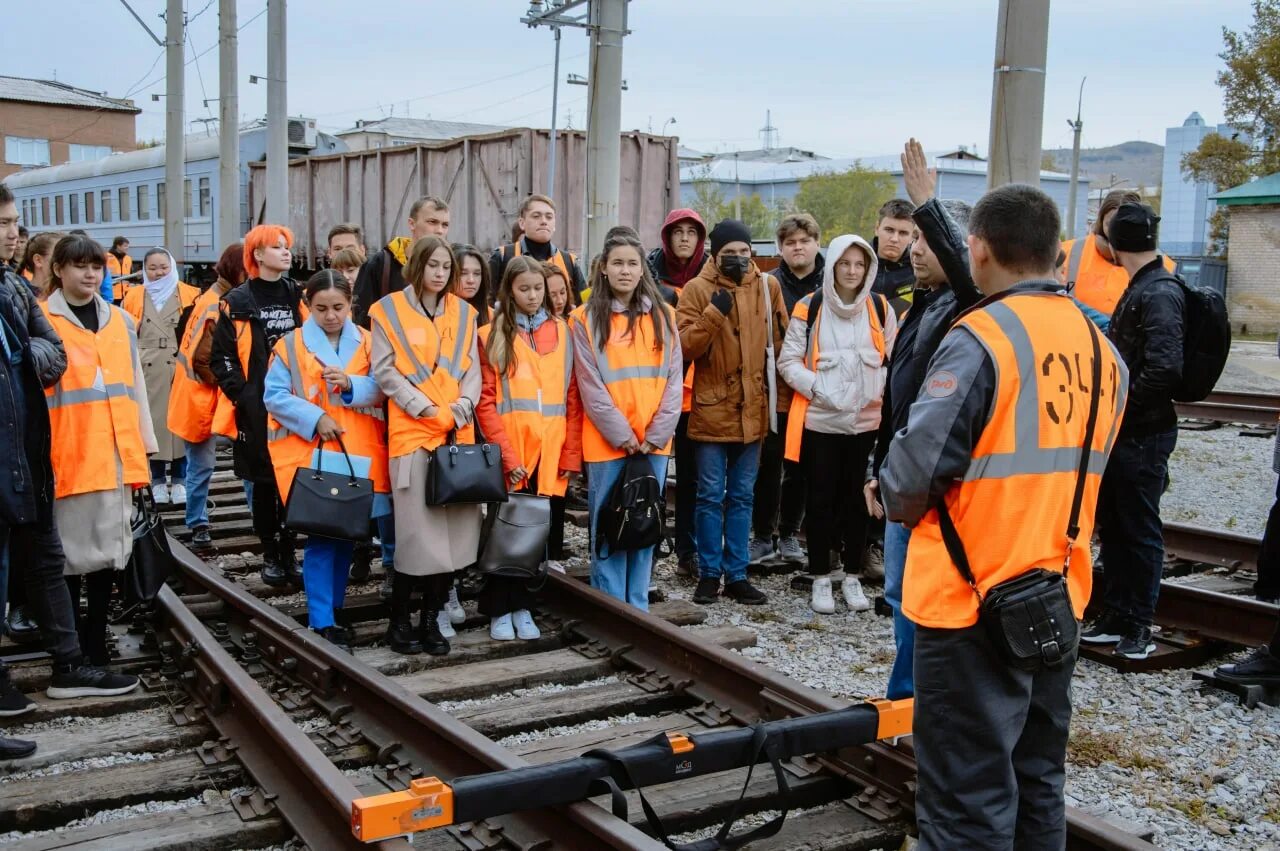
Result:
pixel 1147 329
pixel 537 225
pixel 895 278
pixel 382 274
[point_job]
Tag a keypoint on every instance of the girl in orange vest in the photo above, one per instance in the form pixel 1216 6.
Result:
pixel 318 389
pixel 629 372
pixel 561 299
pixel 36 262
pixel 527 402
pixel 101 433
pixel 473 285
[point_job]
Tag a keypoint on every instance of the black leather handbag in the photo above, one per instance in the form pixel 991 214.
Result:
pixel 331 505
pixel 515 537
pixel 465 473
pixel 1029 618
pixel 152 559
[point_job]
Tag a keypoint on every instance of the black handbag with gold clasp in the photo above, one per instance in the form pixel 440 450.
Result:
pixel 331 505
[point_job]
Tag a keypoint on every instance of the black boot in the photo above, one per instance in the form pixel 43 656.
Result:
pixel 400 633
pixel 273 574
pixel 429 629
pixel 22 629
pixel 289 559
pixel 360 562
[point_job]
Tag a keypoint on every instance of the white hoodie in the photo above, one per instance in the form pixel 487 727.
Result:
pixel 846 390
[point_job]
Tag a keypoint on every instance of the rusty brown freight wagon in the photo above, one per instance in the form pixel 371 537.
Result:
pixel 483 178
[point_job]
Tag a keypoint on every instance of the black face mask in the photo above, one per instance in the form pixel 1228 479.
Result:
pixel 734 268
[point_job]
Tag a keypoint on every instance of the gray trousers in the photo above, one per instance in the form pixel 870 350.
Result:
pixel 990 744
pixel 35 549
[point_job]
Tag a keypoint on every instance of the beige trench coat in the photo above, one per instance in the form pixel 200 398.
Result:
pixel 436 539
pixel 94 527
pixel 158 347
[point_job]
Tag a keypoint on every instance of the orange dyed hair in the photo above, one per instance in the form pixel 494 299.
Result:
pixel 263 236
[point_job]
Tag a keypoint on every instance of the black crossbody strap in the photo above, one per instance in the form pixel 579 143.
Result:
pixel 951 537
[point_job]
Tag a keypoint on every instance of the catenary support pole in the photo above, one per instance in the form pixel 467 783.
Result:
pixel 1074 189
pixel 1017 96
pixel 555 104
pixel 277 115
pixel 604 125
pixel 174 132
pixel 229 227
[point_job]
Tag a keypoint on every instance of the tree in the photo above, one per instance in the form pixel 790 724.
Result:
pixel 1048 162
pixel 847 201
pixel 711 203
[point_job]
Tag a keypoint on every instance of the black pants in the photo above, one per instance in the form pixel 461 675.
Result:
pixel 780 489
pixel 686 491
pixel 1275 641
pixel 555 539
pixel 35 550
pixel 91 620
pixel 991 746
pixel 268 516
pixel 1268 584
pixel 502 595
pixel 835 466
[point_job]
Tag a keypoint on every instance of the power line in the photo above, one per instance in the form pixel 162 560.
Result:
pixel 520 96
pixel 199 76
pixel 155 80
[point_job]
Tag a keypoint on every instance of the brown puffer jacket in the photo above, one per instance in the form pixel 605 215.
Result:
pixel 730 396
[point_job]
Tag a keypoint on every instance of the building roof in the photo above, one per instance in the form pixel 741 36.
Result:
pixel 424 129
pixel 61 94
pixel 1264 190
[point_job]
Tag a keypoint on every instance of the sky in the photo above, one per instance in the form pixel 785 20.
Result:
pixel 838 77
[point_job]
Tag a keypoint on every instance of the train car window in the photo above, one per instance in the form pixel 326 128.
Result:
pixel 144 202
pixel 57 209
pixel 44 211
pixel 73 208
pixel 186 198
pixel 88 208
pixel 124 203
pixel 160 200
pixel 106 206
pixel 205 198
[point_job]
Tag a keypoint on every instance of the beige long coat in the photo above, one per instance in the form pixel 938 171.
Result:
pixel 158 347
pixel 436 539
pixel 94 527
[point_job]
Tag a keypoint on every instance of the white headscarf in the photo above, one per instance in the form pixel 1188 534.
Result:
pixel 161 289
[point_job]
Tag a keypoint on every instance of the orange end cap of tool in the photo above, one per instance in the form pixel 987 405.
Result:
pixel 895 716
pixel 427 803
pixel 679 743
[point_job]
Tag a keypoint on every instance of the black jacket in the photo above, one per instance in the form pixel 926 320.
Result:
pixel 895 280
pixel 26 471
pixel 252 461
pixel 1147 328
pixel 794 288
pixel 503 253
pixel 369 284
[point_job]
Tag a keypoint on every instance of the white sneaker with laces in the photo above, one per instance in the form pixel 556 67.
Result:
pixel 160 493
pixel 501 629
pixel 853 596
pixel 445 624
pixel 822 602
pixel 453 608
pixel 526 629
pixel 177 493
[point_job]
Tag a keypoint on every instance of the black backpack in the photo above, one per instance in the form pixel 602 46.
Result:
pixel 634 514
pixel 1206 341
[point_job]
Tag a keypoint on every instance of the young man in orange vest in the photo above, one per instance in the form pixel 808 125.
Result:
pixel 383 274
pixel 1094 274
pixel 537 224
pixel 994 452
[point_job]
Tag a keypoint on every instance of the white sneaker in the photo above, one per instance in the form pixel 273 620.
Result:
pixel 161 494
pixel 445 624
pixel 553 565
pixel 526 629
pixel 453 608
pixel 501 629
pixel 853 596
pixel 822 602
pixel 177 494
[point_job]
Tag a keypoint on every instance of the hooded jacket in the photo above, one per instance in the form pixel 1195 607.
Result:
pixel 663 263
pixel 845 390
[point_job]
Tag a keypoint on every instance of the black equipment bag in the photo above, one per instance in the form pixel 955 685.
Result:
pixel 515 539
pixel 1029 618
pixel 152 559
pixel 465 473
pixel 633 515
pixel 331 505
pixel 1206 341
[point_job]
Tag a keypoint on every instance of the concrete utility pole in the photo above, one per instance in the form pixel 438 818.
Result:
pixel 1076 127
pixel 604 124
pixel 277 116
pixel 1017 96
pixel 228 126
pixel 555 105
pixel 175 151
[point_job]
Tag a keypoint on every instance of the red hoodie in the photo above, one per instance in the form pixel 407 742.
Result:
pixel 673 272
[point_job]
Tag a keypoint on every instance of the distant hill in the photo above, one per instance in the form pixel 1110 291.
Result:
pixel 1140 162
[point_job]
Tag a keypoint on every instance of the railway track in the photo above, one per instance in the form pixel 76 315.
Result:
pixel 1256 409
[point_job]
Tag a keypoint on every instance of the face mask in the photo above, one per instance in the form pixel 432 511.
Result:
pixel 734 268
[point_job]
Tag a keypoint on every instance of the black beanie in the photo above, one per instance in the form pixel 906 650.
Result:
pixel 1134 228
pixel 730 230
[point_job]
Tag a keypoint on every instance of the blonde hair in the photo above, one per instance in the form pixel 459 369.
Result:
pixel 347 258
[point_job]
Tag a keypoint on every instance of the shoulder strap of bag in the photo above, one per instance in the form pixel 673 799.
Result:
pixel 951 537
pixel 385 288
pixel 1073 261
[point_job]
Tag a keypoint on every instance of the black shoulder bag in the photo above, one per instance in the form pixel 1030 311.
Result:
pixel 1029 618
pixel 331 505
pixel 152 560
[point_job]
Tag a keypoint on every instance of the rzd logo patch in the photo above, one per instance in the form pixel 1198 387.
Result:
pixel 941 384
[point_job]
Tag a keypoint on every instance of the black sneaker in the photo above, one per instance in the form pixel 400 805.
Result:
pixel 402 639
pixel 12 701
pixel 201 536
pixel 429 634
pixel 708 590
pixel 1136 644
pixel 16 748
pixel 1108 629
pixel 22 629
pixel 88 681
pixel 744 592
pixel 360 563
pixel 1261 668
pixel 337 636
pixel 273 574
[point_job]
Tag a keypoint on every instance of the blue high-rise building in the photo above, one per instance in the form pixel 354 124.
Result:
pixel 1185 207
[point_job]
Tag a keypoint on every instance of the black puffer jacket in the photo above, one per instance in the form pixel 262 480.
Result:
pixel 795 288
pixel 1147 328
pixel 26 471
pixel 895 279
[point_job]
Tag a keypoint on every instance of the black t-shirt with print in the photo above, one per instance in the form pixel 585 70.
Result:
pixel 275 310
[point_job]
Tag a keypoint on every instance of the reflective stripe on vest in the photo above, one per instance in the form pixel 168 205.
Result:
pixel 557 258
pixel 1011 507
pixel 1094 280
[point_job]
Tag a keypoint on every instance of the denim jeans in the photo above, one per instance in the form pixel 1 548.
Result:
pixel 896 537
pixel 387 536
pixel 325 564
pixel 164 471
pixel 1129 524
pixel 722 521
pixel 201 458
pixel 623 575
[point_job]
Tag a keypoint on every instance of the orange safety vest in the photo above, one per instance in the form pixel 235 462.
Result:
pixel 799 404
pixel 1092 279
pixel 533 401
pixel 365 429
pixel 134 301
pixel 94 406
pixel 1012 505
pixel 634 372
pixel 557 260
pixel 117 267
pixel 434 354
pixel 197 411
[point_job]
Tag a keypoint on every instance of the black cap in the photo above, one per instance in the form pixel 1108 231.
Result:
pixel 1134 228
pixel 730 230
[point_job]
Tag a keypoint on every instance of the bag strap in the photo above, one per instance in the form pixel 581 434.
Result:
pixel 385 288
pixel 951 537
pixel 1073 261
pixel 351 469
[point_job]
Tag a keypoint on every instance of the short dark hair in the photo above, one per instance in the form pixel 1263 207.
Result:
pixel 6 195
pixel 230 266
pixel 119 241
pixel 423 202
pixel 77 232
pixel 798 222
pixel 326 279
pixel 347 228
pixel 895 208
pixel 1020 224
pixel 74 248
pixel 22 231
pixel 1112 201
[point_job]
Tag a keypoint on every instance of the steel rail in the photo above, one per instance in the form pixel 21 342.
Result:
pixel 1211 546
pixel 1217 616
pixel 1222 413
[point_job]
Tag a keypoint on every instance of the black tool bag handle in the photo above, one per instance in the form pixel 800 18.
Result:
pixel 951 537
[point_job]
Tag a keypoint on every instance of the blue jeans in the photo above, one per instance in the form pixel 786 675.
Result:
pixel 163 471
pixel 623 575
pixel 722 520
pixel 1129 524
pixel 896 537
pixel 201 458
pixel 325 563
pixel 387 535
